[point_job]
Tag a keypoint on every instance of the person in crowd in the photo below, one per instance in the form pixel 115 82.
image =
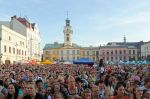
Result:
pixel 12 92
pixel 58 96
pixel 146 94
pixel 101 89
pixel 137 93
pixel 108 94
pixel 31 93
pixel 48 94
pixel 79 86
pixel 146 83
pixel 100 69
pixel 21 88
pixel 3 90
pixel 95 92
pixel 87 94
pixel 62 81
pixel 120 92
pixel 39 86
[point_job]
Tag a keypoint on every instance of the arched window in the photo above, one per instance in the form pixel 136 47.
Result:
pixel 67 38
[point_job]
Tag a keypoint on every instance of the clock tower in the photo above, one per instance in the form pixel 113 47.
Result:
pixel 68 34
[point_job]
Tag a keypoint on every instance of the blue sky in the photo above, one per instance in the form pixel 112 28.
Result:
pixel 94 22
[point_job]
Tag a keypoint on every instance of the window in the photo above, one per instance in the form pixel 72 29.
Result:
pixel 107 52
pixel 13 50
pixel 133 51
pixel 115 51
pixel 97 53
pixel 116 58
pixel 22 52
pixel 57 52
pixel 62 58
pixel 124 58
pixel 112 52
pixel 120 58
pixel 73 58
pixel 93 52
pixel 67 38
pixel 120 52
pixel 9 38
pixel 5 49
pixel 107 58
pixel 67 51
pixel 17 51
pixel 67 57
pixel 111 58
pixel 87 52
pixel 73 51
pixel 129 51
pixel 103 53
pixel 9 49
pixel 83 52
pixel 77 51
pixel 133 57
pixel 124 51
pixel 61 52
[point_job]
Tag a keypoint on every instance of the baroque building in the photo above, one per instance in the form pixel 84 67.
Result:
pixel 69 51
pixel 19 40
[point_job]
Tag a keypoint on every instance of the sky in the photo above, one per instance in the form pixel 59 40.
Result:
pixel 94 22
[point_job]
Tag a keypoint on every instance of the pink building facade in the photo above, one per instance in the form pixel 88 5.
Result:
pixel 117 53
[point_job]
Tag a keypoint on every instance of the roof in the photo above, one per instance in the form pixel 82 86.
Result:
pixel 136 44
pixel 132 47
pixel 118 46
pixel 58 45
pixel 54 45
pixel 75 45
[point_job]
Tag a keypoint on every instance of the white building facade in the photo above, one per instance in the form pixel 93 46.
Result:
pixel 19 40
pixel 145 49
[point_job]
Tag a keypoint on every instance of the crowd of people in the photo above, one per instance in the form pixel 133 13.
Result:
pixel 58 81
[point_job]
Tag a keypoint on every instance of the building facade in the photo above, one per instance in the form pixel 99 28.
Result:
pixel 145 50
pixel 19 40
pixel 118 53
pixel 69 51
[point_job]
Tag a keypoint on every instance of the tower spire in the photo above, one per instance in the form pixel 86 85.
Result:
pixel 68 32
pixel 124 39
pixel 67 20
pixel 67 14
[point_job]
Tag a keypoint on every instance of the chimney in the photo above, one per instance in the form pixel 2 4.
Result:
pixel 13 17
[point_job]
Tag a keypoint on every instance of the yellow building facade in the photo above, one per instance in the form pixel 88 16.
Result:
pixel 69 51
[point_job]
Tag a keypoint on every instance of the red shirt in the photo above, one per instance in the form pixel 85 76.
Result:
pixel 116 97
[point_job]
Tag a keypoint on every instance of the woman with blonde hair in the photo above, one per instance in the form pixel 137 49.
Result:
pixel 86 94
pixel 108 94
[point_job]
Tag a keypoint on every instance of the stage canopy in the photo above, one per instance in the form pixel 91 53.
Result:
pixel 83 61
pixel 48 62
